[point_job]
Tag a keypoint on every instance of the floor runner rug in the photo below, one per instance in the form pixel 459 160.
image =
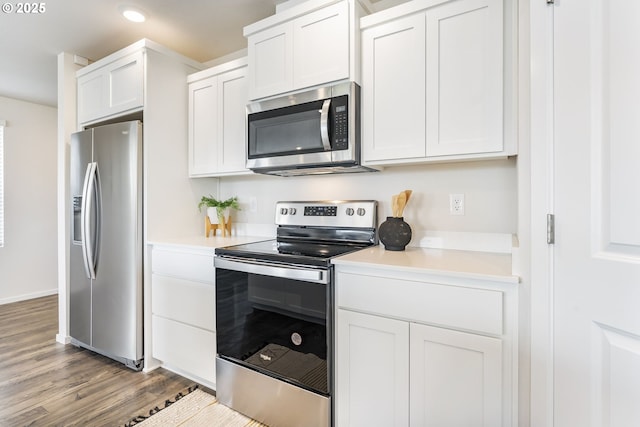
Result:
pixel 196 409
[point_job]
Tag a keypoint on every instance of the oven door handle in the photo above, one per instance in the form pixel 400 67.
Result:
pixel 275 270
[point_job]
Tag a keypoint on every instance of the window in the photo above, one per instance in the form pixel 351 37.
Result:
pixel 2 125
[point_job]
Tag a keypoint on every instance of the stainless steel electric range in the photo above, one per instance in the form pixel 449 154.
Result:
pixel 274 312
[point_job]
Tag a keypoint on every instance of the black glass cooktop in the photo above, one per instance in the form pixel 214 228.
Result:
pixel 306 253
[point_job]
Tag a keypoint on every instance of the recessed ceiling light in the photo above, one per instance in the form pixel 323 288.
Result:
pixel 133 14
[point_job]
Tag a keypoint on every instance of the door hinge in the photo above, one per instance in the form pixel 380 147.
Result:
pixel 551 1
pixel 551 229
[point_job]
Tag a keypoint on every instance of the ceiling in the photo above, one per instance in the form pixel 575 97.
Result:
pixel 30 43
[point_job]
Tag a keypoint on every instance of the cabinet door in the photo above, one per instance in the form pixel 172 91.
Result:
pixel 185 348
pixel 372 371
pixel 271 69
pixel 185 301
pixel 203 116
pixel 321 46
pixel 91 96
pixel 456 378
pixel 184 264
pixel 126 82
pixel 393 90
pixel 115 88
pixel 232 128
pixel 464 78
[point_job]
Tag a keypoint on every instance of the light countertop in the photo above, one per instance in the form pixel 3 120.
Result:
pixel 449 262
pixel 456 263
pixel 201 242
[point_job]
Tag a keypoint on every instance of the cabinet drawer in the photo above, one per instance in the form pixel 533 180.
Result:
pixel 192 266
pixel 450 306
pixel 184 300
pixel 185 347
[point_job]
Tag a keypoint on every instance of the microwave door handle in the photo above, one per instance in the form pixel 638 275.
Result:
pixel 324 124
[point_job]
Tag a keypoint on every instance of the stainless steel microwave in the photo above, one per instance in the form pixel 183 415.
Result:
pixel 312 132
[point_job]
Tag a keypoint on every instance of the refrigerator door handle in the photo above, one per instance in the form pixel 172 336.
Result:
pixel 89 241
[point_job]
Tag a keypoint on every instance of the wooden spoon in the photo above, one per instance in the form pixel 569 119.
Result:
pixel 402 201
pixel 394 205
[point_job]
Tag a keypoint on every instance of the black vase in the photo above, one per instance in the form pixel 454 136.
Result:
pixel 394 234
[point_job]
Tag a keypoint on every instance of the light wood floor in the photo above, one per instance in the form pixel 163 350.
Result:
pixel 43 383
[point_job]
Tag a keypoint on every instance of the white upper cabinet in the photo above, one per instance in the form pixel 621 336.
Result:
pixel 393 92
pixel 232 129
pixel 302 47
pixel 114 88
pixel 271 58
pixel 217 128
pixel 321 46
pixel 433 86
pixel 464 84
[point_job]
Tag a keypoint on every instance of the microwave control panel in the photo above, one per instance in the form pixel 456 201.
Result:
pixel 340 122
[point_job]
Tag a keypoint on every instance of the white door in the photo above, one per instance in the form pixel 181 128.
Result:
pixel 596 273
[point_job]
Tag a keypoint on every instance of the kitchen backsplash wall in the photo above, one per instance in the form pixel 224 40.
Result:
pixel 489 189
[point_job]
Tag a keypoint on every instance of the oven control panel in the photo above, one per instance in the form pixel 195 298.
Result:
pixel 330 210
pixel 335 213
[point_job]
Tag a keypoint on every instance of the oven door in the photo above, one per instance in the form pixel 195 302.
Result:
pixel 275 319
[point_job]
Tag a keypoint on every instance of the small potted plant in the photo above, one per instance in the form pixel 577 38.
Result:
pixel 218 210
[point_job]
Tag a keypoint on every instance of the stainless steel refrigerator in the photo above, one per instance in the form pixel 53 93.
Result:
pixel 106 272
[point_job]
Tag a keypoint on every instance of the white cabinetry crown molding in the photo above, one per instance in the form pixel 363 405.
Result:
pixel 218 69
pixel 135 47
pixel 403 9
pixel 287 15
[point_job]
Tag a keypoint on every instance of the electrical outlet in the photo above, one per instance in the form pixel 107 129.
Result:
pixel 456 204
pixel 253 204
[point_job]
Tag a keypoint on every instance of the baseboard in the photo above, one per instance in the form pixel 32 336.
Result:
pixel 63 339
pixel 25 297
pixel 191 377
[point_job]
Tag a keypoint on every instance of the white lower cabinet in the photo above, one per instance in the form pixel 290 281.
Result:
pixel 185 348
pixel 183 317
pixel 402 358
pixel 456 378
pixel 372 370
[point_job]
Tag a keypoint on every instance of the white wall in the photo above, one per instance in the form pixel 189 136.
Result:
pixel 28 260
pixel 490 189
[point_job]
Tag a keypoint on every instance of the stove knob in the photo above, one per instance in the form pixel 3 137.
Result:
pixel 361 211
pixel 350 211
pixel 283 211
pixel 292 211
